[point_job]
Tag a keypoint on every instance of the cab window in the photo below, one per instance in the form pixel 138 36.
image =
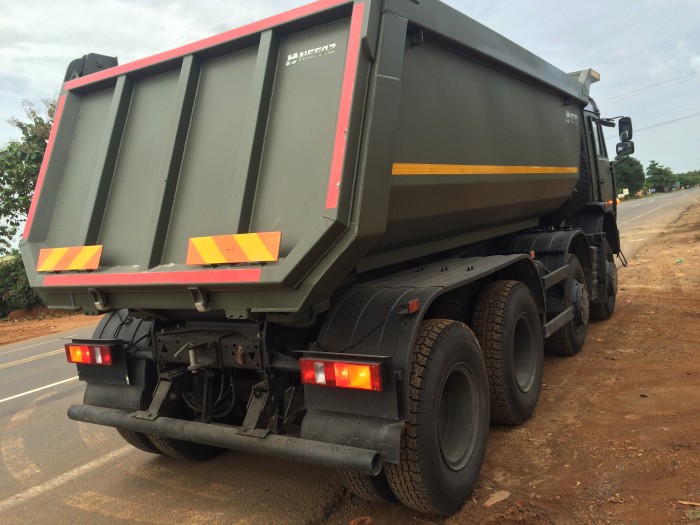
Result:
pixel 597 135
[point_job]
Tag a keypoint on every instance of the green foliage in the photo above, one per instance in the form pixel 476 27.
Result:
pixel 629 173
pixel 20 162
pixel 15 293
pixel 659 176
pixel 692 178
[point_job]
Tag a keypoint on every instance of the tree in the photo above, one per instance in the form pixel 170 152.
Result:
pixel 692 178
pixel 15 293
pixel 20 162
pixel 659 176
pixel 629 173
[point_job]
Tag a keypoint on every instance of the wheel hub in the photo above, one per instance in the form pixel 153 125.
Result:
pixel 581 303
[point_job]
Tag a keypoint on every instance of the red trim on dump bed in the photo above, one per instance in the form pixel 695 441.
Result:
pixel 44 165
pixel 236 275
pixel 188 49
pixel 341 129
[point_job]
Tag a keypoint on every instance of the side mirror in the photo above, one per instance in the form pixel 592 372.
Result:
pixel 625 129
pixel 625 148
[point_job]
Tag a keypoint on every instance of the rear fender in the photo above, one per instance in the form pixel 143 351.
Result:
pixel 552 248
pixel 598 218
pixel 381 318
pixel 134 391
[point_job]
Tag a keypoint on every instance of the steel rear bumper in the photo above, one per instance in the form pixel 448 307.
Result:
pixel 297 449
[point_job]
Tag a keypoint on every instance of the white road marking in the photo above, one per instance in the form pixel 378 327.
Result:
pixel 137 512
pixel 17 461
pixel 38 389
pixel 58 481
pixel 643 214
pixel 25 413
pixel 37 344
pixel 91 435
pixel 32 358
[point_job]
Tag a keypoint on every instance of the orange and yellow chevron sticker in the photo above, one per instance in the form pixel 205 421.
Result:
pixel 238 248
pixel 71 258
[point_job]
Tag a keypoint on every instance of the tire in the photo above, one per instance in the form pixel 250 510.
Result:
pixel 370 488
pixel 603 311
pixel 578 198
pixel 569 339
pixel 507 324
pixel 139 440
pixel 451 305
pixel 178 449
pixel 443 441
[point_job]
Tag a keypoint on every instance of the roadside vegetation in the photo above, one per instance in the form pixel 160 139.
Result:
pixel 657 178
pixel 20 162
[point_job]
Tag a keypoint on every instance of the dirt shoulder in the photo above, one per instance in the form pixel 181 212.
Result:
pixel 616 435
pixel 40 322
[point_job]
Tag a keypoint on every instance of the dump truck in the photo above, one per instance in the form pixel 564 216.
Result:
pixel 343 235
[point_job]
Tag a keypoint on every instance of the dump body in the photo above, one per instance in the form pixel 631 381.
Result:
pixel 354 135
pixel 310 234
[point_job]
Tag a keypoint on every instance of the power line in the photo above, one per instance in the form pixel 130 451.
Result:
pixel 651 87
pixel 686 117
pixel 659 124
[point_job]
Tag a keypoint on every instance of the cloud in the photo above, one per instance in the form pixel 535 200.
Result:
pixel 632 45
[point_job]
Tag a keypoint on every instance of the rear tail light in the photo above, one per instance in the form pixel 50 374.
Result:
pixel 89 354
pixel 341 374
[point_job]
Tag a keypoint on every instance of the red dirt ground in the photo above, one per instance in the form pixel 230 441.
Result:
pixel 616 435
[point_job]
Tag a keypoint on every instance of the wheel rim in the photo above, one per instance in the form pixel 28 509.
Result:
pixel 581 302
pixel 523 354
pixel 457 412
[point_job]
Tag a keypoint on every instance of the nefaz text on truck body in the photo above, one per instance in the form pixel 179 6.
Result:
pixel 343 235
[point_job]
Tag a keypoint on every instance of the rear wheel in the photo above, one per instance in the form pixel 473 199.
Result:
pixel 604 310
pixel 443 442
pixel 569 339
pixel 139 440
pixel 178 449
pixel 370 488
pixel 508 326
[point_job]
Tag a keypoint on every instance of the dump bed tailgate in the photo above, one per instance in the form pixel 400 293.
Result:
pixel 222 163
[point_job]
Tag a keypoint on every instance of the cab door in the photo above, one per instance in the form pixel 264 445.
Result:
pixel 603 187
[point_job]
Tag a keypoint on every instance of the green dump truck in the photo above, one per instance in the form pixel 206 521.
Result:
pixel 344 235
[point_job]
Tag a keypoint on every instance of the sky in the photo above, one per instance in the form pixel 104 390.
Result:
pixel 646 51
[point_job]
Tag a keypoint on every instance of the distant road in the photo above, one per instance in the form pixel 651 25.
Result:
pixel 642 220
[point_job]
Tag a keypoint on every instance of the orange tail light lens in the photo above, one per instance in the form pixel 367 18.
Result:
pixel 89 354
pixel 341 374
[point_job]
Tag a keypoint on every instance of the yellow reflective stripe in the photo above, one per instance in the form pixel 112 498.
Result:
pixel 208 250
pixel 253 247
pixel 52 260
pixel 477 169
pixel 84 257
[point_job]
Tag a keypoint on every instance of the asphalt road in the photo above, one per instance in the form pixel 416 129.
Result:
pixel 53 470
pixel 642 220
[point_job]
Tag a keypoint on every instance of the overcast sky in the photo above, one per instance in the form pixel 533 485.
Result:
pixel 647 51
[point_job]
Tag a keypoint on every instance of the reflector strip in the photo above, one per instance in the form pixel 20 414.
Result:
pixel 44 165
pixel 72 258
pixel 179 52
pixel 341 130
pixel 362 376
pixel 235 275
pixel 239 248
pixel 477 169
